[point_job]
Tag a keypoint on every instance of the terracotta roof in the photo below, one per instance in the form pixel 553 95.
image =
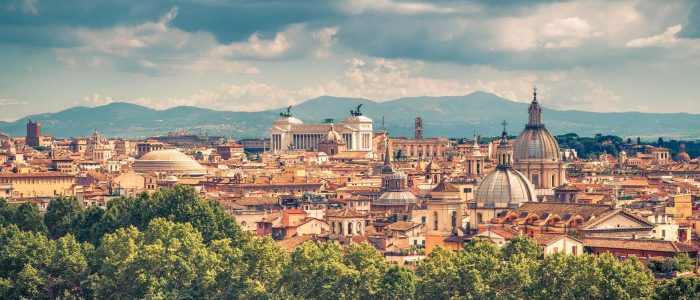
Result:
pixel 289 244
pixel 345 213
pixel 506 233
pixel 35 175
pixel 608 215
pixel 644 245
pixel 584 210
pixel 251 201
pixel 402 226
pixel 444 186
pixel 547 239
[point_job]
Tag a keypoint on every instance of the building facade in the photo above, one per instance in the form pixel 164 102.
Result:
pixel 290 133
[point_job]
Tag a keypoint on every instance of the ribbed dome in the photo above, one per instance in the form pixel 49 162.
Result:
pixel 333 136
pixel 504 187
pixel 168 161
pixel 536 143
pixel 396 198
pixel 683 157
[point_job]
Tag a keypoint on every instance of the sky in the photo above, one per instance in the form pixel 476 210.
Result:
pixel 260 54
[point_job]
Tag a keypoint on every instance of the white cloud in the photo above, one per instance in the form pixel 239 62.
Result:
pixel 667 38
pixel 259 48
pixel 357 7
pixel 12 102
pixel 327 39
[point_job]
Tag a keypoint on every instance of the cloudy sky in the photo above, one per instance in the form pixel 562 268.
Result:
pixel 260 54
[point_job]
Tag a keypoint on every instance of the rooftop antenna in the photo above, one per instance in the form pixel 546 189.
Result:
pixel 383 127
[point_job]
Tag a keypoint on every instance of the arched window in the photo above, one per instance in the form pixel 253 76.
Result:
pixel 332 227
pixel 454 219
pixel 340 228
pixel 349 228
pixel 435 221
pixel 359 228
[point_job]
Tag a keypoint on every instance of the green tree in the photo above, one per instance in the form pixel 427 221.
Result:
pixel 178 204
pixel 28 218
pixel 63 216
pixel 478 265
pixel 68 268
pixel 265 263
pixel 24 257
pixel 438 276
pixel 371 265
pixel 167 260
pixel 521 246
pixel 626 279
pixel 7 212
pixel 88 230
pixel 318 271
pixel 398 283
pixel 682 288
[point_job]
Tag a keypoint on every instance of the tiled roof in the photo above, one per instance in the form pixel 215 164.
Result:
pixel 289 244
pixel 345 213
pixel 402 226
pixel 251 201
pixel 584 210
pixel 35 175
pixel 644 245
pixel 547 239
pixel 444 186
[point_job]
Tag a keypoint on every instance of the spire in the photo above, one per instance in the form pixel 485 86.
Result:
pixel 504 153
pixel 387 168
pixel 535 112
pixel 534 94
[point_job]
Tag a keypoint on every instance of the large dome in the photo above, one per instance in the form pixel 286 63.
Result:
pixel 504 187
pixel 168 161
pixel 536 143
pixel 402 197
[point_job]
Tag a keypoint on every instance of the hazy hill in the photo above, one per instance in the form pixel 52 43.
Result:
pixel 455 116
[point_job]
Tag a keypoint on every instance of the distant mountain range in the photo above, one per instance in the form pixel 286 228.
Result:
pixel 455 116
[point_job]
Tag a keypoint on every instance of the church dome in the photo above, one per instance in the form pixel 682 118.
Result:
pixel 333 136
pixel 682 156
pixel 504 187
pixel 535 142
pixel 168 161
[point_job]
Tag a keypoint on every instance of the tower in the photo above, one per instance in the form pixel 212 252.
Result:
pixel 33 134
pixel 474 160
pixel 419 128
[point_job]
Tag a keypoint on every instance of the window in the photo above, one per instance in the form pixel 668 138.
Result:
pixel 435 221
pixel 422 219
pixel 574 250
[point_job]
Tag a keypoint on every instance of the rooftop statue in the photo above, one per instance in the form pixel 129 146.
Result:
pixel 288 113
pixel 356 112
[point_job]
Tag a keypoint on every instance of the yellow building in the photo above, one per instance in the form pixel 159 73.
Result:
pixel 446 213
pixel 680 206
pixel 39 184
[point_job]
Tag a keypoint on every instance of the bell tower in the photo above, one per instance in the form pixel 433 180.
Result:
pixel 419 128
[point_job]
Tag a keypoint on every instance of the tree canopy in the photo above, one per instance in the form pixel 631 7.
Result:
pixel 173 244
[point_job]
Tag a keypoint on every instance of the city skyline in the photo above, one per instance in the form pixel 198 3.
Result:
pixel 248 56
